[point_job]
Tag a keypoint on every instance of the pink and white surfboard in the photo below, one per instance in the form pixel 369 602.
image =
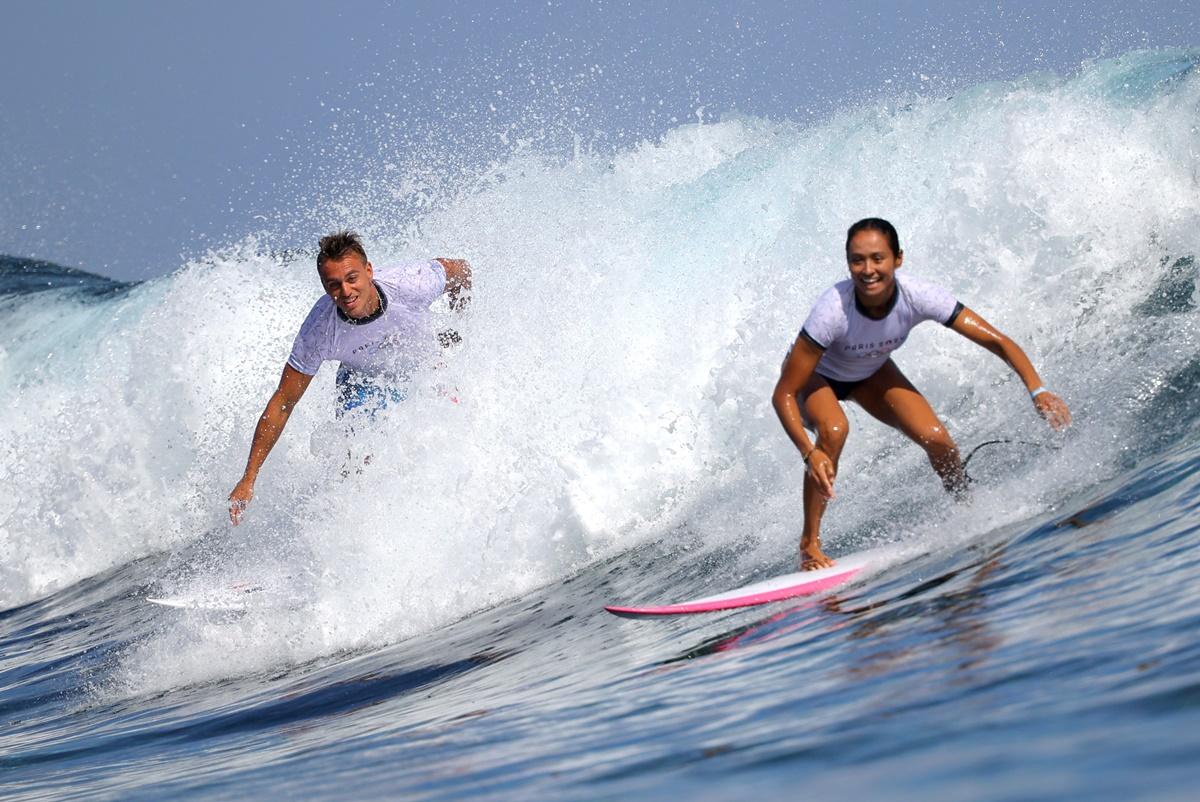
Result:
pixel 800 583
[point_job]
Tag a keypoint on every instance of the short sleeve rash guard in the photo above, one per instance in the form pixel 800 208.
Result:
pixel 856 345
pixel 390 344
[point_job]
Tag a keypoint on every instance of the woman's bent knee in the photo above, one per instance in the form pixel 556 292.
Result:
pixel 833 432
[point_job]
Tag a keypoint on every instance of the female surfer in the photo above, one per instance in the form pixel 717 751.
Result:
pixel 843 353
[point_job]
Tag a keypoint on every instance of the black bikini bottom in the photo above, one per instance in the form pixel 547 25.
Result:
pixel 841 389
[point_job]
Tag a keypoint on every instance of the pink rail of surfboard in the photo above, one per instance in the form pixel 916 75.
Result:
pixel 801 583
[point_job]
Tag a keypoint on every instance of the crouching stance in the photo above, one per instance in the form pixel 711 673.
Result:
pixel 844 352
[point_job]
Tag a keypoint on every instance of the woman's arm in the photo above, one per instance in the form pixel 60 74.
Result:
pixel 980 332
pixel 797 369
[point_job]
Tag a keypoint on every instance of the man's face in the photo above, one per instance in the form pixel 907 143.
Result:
pixel 348 282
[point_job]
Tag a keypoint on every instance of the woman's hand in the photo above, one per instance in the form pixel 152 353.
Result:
pixel 1053 409
pixel 820 466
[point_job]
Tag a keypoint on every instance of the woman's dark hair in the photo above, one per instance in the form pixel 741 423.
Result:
pixel 875 224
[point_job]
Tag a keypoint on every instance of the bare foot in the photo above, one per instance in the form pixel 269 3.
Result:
pixel 812 558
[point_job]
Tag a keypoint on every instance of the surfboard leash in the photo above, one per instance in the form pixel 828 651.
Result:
pixel 1001 441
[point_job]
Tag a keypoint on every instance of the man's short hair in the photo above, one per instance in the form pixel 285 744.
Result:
pixel 337 246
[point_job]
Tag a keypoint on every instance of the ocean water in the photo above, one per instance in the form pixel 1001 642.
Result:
pixel 432 628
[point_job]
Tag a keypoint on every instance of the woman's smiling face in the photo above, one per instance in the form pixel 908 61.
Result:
pixel 873 267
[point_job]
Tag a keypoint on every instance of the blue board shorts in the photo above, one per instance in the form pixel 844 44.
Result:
pixel 365 396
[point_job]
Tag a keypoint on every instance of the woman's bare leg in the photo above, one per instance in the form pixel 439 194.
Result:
pixel 892 399
pixel 823 413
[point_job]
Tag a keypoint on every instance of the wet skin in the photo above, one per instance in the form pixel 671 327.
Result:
pixel 349 282
pixel 803 399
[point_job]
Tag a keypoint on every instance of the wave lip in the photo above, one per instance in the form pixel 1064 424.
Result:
pixel 20 276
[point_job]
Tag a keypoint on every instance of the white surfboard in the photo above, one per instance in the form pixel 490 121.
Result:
pixel 239 597
pixel 788 586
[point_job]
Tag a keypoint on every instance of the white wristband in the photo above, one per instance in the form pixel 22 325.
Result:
pixel 1037 392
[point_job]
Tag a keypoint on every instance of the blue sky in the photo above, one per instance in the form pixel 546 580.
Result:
pixel 136 134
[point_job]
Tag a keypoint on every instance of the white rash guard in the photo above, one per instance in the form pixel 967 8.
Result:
pixel 390 343
pixel 855 345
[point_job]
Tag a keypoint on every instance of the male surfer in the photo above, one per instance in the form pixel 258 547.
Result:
pixel 843 353
pixel 378 326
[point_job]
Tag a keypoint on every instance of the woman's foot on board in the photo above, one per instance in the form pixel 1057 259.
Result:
pixel 812 558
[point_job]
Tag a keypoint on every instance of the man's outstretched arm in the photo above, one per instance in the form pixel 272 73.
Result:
pixel 292 385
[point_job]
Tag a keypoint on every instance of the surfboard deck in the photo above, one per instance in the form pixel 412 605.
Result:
pixel 233 599
pixel 779 588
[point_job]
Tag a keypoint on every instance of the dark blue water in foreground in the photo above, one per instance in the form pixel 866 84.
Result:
pixel 1056 659
pixel 433 627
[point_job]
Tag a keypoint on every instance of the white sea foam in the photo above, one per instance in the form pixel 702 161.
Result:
pixel 631 313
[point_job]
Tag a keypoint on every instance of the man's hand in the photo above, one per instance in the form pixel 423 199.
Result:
pixel 458 282
pixel 1054 410
pixel 239 498
pixel 822 470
